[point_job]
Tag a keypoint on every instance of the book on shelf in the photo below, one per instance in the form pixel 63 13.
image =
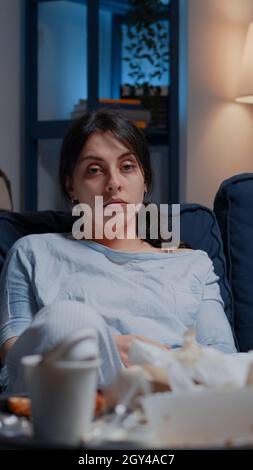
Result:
pixel 132 109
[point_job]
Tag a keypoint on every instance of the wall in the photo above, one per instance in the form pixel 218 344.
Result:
pixel 62 57
pixel 218 133
pixel 218 139
pixel 10 94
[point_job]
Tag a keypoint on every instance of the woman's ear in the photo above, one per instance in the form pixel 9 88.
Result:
pixel 69 188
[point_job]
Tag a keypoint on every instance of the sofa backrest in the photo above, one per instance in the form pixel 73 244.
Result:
pixel 233 206
pixel 199 229
pixel 14 225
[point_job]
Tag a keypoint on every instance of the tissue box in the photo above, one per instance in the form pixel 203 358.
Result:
pixel 209 418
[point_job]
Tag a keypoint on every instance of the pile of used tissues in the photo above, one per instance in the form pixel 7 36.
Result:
pixel 207 398
pixel 189 368
pixel 194 367
pixel 190 397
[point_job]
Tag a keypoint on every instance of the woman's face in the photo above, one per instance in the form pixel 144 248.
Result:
pixel 106 167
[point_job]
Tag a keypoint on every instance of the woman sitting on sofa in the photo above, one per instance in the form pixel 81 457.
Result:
pixel 54 284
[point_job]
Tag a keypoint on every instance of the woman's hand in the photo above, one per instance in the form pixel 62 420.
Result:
pixel 123 343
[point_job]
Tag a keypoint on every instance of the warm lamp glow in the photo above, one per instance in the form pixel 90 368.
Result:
pixel 245 86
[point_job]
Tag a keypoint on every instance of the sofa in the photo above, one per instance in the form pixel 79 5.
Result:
pixel 233 207
pixel 225 233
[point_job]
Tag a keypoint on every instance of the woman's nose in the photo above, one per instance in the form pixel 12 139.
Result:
pixel 113 183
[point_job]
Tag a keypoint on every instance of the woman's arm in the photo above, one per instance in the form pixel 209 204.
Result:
pixel 212 326
pixel 17 301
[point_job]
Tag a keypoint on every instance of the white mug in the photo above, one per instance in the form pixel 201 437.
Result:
pixel 63 398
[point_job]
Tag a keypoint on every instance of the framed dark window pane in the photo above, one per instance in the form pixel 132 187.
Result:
pixel 62 58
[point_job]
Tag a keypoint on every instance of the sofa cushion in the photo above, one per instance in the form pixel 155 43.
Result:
pixel 233 206
pixel 14 225
pixel 199 229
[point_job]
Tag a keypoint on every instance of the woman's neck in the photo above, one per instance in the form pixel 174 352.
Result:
pixel 126 238
pixel 122 244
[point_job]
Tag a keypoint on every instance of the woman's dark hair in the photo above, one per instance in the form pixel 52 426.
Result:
pixel 103 120
pixel 106 120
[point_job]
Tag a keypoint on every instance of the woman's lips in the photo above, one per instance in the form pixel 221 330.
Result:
pixel 115 204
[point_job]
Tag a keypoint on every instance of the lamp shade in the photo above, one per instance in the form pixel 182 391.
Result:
pixel 245 85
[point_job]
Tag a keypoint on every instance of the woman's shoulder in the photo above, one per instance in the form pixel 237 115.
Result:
pixel 198 259
pixel 200 255
pixel 202 263
pixel 38 242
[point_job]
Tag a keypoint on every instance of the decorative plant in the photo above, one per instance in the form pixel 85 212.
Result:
pixel 147 34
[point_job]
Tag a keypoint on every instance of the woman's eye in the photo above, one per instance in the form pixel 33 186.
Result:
pixel 93 170
pixel 128 167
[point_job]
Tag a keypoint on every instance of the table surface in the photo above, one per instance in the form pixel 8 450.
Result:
pixel 30 442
